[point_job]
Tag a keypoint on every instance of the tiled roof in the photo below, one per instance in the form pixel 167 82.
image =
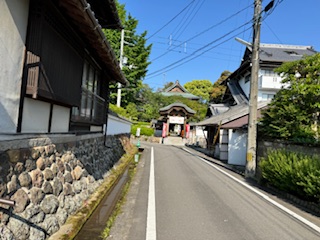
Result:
pixel 233 113
pixel 185 95
pixel 177 104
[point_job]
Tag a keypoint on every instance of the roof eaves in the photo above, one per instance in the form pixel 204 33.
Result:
pixel 83 17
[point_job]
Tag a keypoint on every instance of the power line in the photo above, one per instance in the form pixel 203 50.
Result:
pixel 208 29
pixel 200 49
pixel 186 60
pixel 188 23
pixel 171 20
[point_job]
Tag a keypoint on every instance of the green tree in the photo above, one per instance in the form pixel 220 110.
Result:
pixel 150 103
pixel 200 88
pixel 293 113
pixel 136 51
pixel 218 88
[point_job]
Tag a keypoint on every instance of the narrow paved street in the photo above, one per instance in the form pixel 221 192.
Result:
pixel 195 200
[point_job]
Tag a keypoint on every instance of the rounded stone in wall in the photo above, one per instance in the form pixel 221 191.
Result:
pixel 68 168
pixel 5 233
pixel 19 229
pixel 68 177
pixel 19 168
pixel 54 169
pixel 36 195
pixel 50 204
pixel 34 214
pixel 60 176
pixel 50 224
pixel 41 163
pixel 84 182
pixel 77 186
pixel 47 187
pixel 48 174
pixel 25 180
pixel 49 149
pixel 37 178
pixel 57 186
pixel 77 173
pixel 30 165
pixel 12 186
pixel 60 165
pixel 22 200
pixel 90 179
pixel 52 158
pixel 61 199
pixel 68 190
pixel 37 234
pixel 62 216
pixel 67 157
pixel 4 217
pixel 69 205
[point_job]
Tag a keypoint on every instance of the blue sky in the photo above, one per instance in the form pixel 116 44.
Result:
pixel 195 39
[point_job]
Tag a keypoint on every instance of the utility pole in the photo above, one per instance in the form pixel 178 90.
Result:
pixel 121 65
pixel 253 100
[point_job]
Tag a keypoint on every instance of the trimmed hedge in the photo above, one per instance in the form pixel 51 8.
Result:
pixel 296 173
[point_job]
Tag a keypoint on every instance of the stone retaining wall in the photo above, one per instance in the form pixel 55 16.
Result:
pixel 51 180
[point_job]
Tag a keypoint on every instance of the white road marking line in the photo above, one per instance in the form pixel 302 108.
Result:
pixel 151 231
pixel 264 196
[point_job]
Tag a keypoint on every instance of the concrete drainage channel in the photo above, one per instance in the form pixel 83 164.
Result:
pixel 96 223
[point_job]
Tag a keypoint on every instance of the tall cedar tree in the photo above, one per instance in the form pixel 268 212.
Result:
pixel 294 112
pixel 137 53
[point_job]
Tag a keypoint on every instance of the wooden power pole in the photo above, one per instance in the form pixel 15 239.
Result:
pixel 253 99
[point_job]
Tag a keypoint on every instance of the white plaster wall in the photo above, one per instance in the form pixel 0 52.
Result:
pixel 35 116
pixel 60 119
pixel 96 128
pixel 118 125
pixel 13 25
pixel 237 147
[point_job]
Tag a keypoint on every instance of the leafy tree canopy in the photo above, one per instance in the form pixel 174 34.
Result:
pixel 294 112
pixel 200 88
pixel 135 51
pixel 218 89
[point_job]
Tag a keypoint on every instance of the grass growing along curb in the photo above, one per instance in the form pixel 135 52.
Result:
pixel 122 200
pixel 76 221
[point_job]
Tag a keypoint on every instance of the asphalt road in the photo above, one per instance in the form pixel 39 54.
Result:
pixel 194 200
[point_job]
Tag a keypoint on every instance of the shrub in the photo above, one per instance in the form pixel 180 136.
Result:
pixel 144 130
pixel 292 172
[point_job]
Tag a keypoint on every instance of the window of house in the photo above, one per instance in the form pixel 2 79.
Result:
pixel 91 102
pixel 267 96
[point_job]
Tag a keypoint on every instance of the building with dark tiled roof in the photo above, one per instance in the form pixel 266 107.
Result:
pixel 178 90
pixel 227 121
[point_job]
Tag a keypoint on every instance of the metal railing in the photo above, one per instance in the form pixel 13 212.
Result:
pixel 92 108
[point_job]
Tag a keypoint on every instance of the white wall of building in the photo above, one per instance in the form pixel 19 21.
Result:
pixel 118 125
pixel 13 25
pixel 60 119
pixel 35 116
pixel 237 147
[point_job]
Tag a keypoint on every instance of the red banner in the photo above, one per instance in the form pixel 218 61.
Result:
pixel 187 130
pixel 164 130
